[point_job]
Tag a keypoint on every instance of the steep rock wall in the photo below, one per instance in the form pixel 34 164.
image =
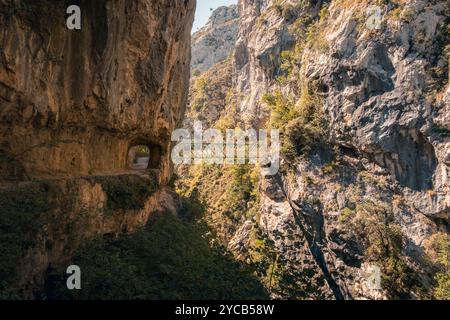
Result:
pixel 72 104
pixel 74 101
pixel 363 114
pixel 215 41
pixel 378 101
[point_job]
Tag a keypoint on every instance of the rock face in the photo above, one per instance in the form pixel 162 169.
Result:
pixel 208 94
pixel 376 99
pixel 263 34
pixel 72 105
pixel 74 102
pixel 377 102
pixel 382 105
pixel 215 41
pixel 363 112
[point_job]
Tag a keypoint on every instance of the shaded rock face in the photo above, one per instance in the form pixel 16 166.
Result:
pixel 72 105
pixel 412 160
pixel 74 102
pixel 43 223
pixel 215 41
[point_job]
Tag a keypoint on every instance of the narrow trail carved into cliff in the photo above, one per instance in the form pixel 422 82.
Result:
pixel 314 239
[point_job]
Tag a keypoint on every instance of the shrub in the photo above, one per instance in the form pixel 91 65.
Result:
pixel 245 181
pixel 302 123
pixel 440 248
pixel 307 132
pixel 383 241
pixel 375 226
pixel 397 277
pixel 199 94
pixel 442 288
pixel 300 139
pixel 283 108
pixel 438 70
pixel 329 168
pixel 127 192
pixel 288 61
pixel 346 215
pixel 315 36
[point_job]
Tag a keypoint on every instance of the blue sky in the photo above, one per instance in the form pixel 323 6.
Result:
pixel 204 10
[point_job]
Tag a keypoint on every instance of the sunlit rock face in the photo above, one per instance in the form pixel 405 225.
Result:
pixel 383 95
pixel 215 41
pixel 382 113
pixel 73 103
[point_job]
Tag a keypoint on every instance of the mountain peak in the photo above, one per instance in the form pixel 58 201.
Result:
pixel 215 41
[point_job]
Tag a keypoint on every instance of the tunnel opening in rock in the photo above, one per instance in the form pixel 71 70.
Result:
pixel 145 156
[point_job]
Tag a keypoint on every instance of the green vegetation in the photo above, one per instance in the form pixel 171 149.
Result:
pixel 382 239
pixel 283 108
pixel 299 114
pixel 142 151
pixel 228 118
pixel 27 6
pixel 127 192
pixel 168 259
pixel 438 71
pixel 22 215
pixel 370 178
pixel 264 258
pixel 282 276
pixel 315 36
pixel 309 34
pixel 199 94
pixel 442 289
pixel 346 215
pixel 244 183
pixel 232 195
pixel 241 196
pixel 330 167
pixel 400 13
pixel 440 251
pixel 302 123
pixel 27 209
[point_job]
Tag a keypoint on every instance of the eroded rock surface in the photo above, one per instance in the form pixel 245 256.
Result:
pixel 72 104
pixel 215 41
pixel 364 115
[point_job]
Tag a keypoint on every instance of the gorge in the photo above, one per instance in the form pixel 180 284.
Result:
pixel 363 182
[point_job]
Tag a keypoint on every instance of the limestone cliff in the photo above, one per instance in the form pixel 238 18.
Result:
pixel 363 109
pixel 70 96
pixel 72 104
pixel 215 41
